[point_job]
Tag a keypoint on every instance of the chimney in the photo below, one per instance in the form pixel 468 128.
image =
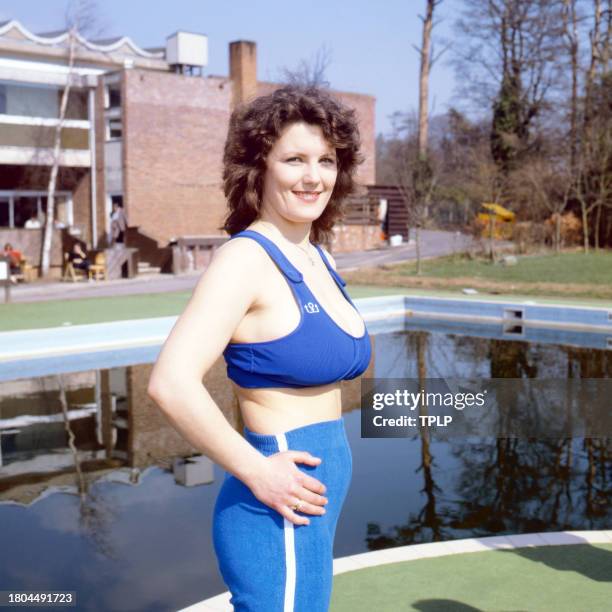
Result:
pixel 243 71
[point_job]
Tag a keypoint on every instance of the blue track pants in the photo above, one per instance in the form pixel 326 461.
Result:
pixel 268 563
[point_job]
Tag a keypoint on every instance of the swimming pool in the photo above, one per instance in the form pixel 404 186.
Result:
pixel 134 532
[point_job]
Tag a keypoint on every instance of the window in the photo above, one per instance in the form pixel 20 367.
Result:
pixel 16 208
pixel 5 212
pixel 28 100
pixel 25 207
pixel 114 129
pixel 114 98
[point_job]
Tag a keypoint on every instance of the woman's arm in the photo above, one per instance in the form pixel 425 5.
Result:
pixel 220 300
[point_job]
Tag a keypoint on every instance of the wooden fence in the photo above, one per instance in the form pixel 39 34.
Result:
pixel 362 209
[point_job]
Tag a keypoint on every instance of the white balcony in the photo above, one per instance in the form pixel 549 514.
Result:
pixel 37 156
pixel 82 124
pixel 28 140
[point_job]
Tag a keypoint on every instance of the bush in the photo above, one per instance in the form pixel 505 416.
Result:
pixel 570 229
pixel 527 234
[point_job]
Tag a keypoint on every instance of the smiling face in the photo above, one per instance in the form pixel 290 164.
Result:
pixel 301 171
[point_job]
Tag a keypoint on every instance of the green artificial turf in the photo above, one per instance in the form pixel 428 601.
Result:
pixel 572 578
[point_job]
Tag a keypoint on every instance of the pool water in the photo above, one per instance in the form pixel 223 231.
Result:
pixel 136 540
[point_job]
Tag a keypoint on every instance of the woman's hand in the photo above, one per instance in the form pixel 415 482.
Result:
pixel 282 486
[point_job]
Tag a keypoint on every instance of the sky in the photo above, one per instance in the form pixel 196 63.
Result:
pixel 370 43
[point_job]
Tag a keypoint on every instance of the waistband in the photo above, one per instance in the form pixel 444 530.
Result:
pixel 322 434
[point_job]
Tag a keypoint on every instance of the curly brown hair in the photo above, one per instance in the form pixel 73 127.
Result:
pixel 253 130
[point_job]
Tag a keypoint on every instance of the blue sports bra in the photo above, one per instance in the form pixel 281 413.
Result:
pixel 316 352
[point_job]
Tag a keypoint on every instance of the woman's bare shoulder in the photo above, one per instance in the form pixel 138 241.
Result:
pixel 238 259
pixel 240 251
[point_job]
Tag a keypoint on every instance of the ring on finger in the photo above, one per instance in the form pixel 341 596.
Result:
pixel 297 506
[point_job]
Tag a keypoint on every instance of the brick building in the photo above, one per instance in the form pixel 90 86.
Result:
pixel 144 127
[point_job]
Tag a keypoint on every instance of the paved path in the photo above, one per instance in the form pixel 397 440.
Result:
pixel 434 243
pixel 162 283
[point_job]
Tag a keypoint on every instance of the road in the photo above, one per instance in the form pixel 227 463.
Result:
pixel 434 243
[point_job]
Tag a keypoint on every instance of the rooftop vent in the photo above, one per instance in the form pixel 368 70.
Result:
pixel 186 52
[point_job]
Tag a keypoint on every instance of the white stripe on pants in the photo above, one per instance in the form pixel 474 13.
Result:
pixel 289 545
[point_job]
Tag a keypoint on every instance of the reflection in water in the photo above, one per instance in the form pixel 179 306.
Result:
pixel 138 498
pixel 131 506
pixel 95 516
pixel 507 485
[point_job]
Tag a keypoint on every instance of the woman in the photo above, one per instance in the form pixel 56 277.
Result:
pixel 274 305
pixel 14 259
pixel 78 258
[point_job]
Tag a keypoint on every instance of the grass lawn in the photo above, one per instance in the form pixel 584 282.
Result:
pixel 55 313
pixel 567 274
pixel 579 279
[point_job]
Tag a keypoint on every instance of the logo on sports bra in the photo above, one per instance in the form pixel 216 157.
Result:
pixel 311 308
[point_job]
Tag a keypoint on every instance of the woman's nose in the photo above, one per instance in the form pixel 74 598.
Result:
pixel 311 173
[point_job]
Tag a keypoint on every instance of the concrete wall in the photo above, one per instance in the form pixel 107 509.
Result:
pixel 355 238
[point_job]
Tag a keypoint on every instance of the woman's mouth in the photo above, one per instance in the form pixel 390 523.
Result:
pixel 307 196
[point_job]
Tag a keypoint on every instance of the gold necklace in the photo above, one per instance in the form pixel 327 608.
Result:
pixel 310 259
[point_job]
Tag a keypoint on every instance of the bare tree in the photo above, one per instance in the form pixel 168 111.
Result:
pixel 416 176
pixel 594 61
pixel 310 72
pixel 427 60
pixel 570 31
pixel 486 182
pixel 551 183
pixel 593 180
pixel 508 60
pixel 80 17
pixel 423 172
pixel 542 68
pixel 463 148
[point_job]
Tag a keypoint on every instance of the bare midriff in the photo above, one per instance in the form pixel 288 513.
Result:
pixel 276 410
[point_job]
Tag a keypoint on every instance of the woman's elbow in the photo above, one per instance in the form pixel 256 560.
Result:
pixel 157 389
pixel 163 388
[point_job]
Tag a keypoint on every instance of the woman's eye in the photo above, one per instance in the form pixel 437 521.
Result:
pixel 329 160
pixel 294 159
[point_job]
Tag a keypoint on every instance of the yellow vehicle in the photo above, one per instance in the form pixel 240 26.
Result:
pixel 498 219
